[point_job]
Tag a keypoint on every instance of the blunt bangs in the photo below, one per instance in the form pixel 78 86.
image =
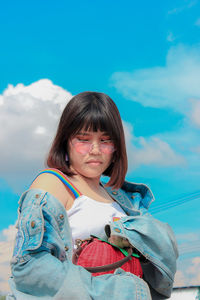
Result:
pixel 92 120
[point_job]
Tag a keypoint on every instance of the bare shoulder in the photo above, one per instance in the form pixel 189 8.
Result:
pixel 52 185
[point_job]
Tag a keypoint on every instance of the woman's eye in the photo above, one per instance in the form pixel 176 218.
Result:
pixel 105 138
pixel 82 140
pixel 106 141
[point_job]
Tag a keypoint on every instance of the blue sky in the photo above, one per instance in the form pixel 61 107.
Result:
pixel 146 56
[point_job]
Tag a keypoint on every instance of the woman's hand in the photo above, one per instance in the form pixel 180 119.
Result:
pixel 119 241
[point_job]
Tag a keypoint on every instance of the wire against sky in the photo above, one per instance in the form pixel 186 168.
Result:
pixel 175 202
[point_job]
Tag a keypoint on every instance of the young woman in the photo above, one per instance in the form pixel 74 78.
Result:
pixel 68 201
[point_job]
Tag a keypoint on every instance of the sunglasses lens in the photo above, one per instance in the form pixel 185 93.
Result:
pixel 86 147
pixel 107 148
pixel 82 148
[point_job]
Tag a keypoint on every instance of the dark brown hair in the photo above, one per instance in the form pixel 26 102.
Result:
pixel 91 111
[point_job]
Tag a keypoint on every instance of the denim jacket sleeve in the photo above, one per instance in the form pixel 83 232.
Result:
pixel 41 264
pixel 155 240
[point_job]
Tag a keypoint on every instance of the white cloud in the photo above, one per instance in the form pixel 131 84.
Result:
pixel 6 249
pixel 188 4
pixel 175 86
pixel 147 151
pixel 188 273
pixel 195 267
pixel 194 113
pixel 8 234
pixel 43 89
pixel 196 149
pixel 40 130
pixel 1 100
pixel 155 150
pixel 180 279
pixel 188 237
pixel 28 121
pixel 168 87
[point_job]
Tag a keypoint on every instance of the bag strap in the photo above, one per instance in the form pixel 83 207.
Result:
pixel 63 178
pixel 104 268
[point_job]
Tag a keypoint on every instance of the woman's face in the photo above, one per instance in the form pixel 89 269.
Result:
pixel 90 153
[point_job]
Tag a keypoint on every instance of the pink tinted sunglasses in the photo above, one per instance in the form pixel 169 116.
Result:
pixel 84 147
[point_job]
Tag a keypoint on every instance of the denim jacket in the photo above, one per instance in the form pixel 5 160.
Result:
pixel 42 265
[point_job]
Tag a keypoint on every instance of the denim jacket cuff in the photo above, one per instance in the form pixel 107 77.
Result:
pixel 115 228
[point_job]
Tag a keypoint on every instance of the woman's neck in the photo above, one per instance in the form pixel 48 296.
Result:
pixel 92 183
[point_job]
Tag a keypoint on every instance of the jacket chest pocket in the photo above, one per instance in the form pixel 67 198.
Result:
pixel 33 228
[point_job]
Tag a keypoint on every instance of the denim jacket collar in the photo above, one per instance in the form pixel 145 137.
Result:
pixel 133 197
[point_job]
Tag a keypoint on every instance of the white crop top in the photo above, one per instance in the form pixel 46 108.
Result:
pixel 88 216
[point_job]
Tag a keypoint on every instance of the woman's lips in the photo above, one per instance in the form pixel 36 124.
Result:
pixel 94 162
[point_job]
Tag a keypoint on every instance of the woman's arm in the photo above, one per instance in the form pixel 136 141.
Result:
pixel 153 239
pixel 41 243
pixel 156 242
pixel 53 185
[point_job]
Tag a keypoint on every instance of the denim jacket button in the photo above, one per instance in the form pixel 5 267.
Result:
pixel 22 260
pixel 114 193
pixel 37 196
pixel 66 248
pixel 61 216
pixel 132 196
pixel 32 224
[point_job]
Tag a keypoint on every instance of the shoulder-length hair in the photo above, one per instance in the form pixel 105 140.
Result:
pixel 90 111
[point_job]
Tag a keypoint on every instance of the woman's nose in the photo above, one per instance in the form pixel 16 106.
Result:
pixel 95 148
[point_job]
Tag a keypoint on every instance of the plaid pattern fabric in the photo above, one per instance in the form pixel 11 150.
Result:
pixel 99 253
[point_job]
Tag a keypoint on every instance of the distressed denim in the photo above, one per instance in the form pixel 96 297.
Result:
pixel 41 264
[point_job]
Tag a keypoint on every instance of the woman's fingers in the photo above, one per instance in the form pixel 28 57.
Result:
pixel 119 241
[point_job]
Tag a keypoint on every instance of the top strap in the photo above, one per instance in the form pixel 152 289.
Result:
pixel 64 179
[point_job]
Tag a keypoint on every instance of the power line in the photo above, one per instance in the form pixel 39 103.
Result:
pixel 190 250
pixel 175 202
